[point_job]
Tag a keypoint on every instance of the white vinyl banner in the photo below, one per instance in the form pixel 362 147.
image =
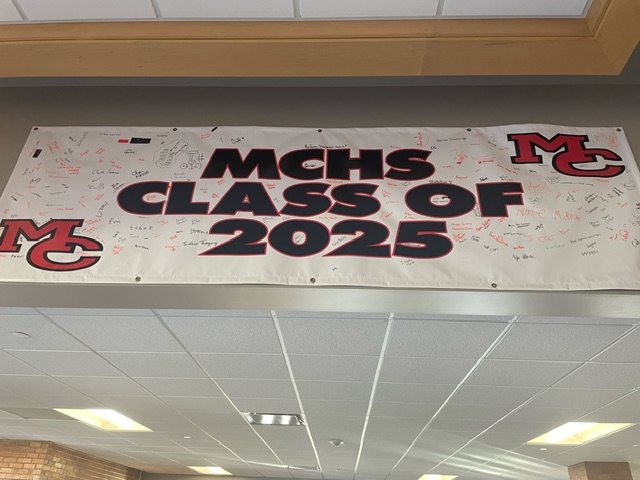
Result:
pixel 514 207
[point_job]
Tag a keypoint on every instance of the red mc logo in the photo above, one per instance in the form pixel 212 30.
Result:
pixel 55 236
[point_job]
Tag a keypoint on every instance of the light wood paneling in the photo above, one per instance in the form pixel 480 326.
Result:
pixel 600 44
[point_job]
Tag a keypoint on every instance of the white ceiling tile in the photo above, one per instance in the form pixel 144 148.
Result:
pixel 172 312
pixel 334 422
pixel 69 363
pixel 180 387
pixel 604 376
pixel 348 391
pixel 520 373
pixel 256 388
pixel 425 370
pixel 120 333
pixel 412 392
pixel 65 401
pixel 469 412
pixel 453 318
pixel 162 365
pixel 26 385
pixel 105 312
pixel 412 424
pixel 18 310
pixel 342 408
pixel 226 334
pixel 367 8
pixel 8 12
pixel 539 414
pixel 515 8
pixel 578 320
pixel 493 395
pixel 625 350
pixel 393 409
pixel 625 410
pixel 8 399
pixel 577 397
pixel 266 405
pixel 226 9
pixel 556 342
pixel 333 368
pixel 87 9
pixel 333 336
pixel 442 339
pixel 267 366
pixel 460 425
pixel 104 386
pixel 13 366
pixel 200 404
pixel 43 335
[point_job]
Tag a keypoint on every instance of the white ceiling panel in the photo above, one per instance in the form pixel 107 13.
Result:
pixel 556 342
pixel 425 370
pixel 333 336
pixel 625 350
pixel 87 9
pixel 200 404
pixel 180 387
pixel 226 9
pixel 104 386
pixel 257 388
pixel 333 368
pixel 345 391
pixel 468 412
pixel 25 385
pixel 539 414
pixel 387 409
pixel 576 397
pixel 341 408
pixel 161 365
pixel 68 363
pixel 226 334
pixel 43 335
pixel 412 393
pixel 520 373
pixel 220 365
pixel 266 405
pixel 441 339
pixel 493 395
pixel 13 366
pixel 120 334
pixel 367 8
pixel 514 8
pixel 604 376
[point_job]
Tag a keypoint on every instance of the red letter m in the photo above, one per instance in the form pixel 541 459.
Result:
pixel 571 150
pixel 55 236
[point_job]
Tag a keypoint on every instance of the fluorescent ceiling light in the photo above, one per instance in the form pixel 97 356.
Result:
pixel 211 470
pixel 437 477
pixel 104 419
pixel 279 419
pixel 578 433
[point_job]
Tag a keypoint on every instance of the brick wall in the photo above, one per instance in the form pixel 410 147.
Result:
pixel 25 460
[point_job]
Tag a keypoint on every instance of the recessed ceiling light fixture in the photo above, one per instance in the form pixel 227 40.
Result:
pixel 104 419
pixel 437 477
pixel 279 419
pixel 20 334
pixel 211 470
pixel 578 433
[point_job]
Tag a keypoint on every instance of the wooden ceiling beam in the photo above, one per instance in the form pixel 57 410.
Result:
pixel 599 44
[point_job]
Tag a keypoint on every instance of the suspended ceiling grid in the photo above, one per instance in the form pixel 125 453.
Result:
pixel 407 393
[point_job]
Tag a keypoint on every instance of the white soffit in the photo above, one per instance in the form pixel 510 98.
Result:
pixel 207 9
pixel 367 8
pixel 514 8
pixel 87 9
pixel 8 12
